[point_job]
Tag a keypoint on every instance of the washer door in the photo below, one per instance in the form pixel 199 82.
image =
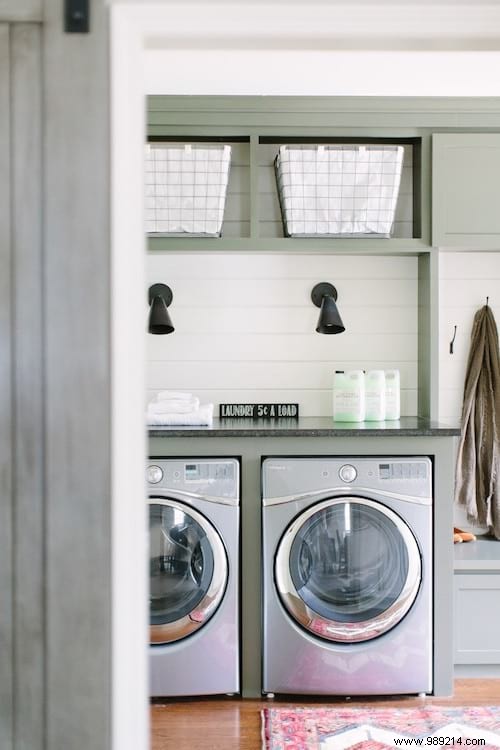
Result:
pixel 348 569
pixel 188 570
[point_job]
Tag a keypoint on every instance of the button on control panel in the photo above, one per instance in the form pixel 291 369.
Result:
pixel 348 473
pixel 403 470
pixel 154 474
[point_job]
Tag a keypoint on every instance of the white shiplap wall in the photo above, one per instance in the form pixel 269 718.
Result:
pixel 466 279
pixel 245 326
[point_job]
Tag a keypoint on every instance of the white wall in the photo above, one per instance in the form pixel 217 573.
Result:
pixel 245 326
pixel 466 279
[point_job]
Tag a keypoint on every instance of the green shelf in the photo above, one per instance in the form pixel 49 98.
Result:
pixel 359 246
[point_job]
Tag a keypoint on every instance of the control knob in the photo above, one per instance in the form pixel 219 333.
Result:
pixel 154 474
pixel 348 473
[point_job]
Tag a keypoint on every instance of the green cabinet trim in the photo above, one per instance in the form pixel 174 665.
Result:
pixel 287 245
pixel 252 220
pixel 391 110
pixel 417 120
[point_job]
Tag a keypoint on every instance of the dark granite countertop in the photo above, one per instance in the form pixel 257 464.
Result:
pixel 310 427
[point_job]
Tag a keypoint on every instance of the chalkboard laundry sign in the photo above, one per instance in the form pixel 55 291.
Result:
pixel 259 411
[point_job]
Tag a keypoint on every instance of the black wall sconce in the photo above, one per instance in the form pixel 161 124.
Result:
pixel 160 297
pixel 324 295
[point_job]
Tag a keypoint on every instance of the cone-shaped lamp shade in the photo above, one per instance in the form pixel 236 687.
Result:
pixel 329 320
pixel 324 295
pixel 160 296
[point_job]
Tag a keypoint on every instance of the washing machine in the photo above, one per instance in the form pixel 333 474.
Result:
pixel 347 575
pixel 194 522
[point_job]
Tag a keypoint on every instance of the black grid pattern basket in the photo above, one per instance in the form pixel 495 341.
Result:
pixel 338 190
pixel 186 189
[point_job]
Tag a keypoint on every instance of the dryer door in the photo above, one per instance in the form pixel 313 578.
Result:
pixel 348 569
pixel 188 570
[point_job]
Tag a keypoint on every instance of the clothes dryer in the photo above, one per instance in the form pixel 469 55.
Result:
pixel 347 575
pixel 194 573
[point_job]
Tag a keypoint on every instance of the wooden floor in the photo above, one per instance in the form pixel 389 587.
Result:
pixel 233 724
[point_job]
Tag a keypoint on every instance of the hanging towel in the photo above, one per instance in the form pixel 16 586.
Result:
pixel 478 462
pixel 203 416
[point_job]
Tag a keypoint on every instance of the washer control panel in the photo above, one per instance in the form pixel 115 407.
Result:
pixel 204 477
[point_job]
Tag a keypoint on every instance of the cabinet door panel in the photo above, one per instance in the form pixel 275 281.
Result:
pixel 466 190
pixel 477 614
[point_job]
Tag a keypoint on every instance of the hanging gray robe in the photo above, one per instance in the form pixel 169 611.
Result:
pixel 478 462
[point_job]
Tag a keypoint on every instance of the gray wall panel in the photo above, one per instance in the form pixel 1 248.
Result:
pixel 21 10
pixel 77 350
pixel 28 387
pixel 6 614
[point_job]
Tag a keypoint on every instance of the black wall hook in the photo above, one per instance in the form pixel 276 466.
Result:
pixel 453 339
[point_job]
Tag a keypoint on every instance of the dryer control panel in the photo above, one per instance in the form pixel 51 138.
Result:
pixel 210 478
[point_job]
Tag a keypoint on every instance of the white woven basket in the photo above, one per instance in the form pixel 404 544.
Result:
pixel 186 189
pixel 338 190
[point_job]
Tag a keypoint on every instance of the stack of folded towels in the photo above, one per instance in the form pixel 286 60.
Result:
pixel 178 408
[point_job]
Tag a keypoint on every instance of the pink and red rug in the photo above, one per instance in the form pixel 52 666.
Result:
pixel 380 728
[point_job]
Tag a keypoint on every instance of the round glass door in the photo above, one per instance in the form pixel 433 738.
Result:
pixel 348 569
pixel 188 570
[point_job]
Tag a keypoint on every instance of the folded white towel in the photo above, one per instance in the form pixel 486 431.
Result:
pixel 202 416
pixel 174 407
pixel 173 396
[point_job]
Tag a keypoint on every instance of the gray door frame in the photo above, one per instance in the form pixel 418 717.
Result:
pixel 55 381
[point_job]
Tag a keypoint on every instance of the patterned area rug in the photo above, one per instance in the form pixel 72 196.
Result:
pixel 379 728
